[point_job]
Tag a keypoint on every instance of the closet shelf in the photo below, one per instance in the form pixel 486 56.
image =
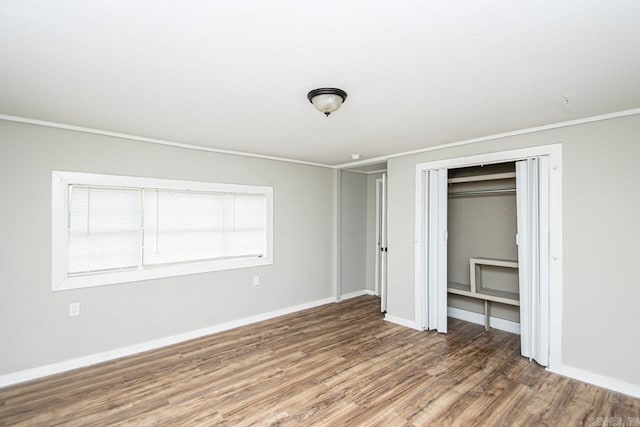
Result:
pixel 477 178
pixel 489 295
pixel 493 295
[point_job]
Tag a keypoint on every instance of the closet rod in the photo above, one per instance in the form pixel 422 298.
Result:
pixel 480 192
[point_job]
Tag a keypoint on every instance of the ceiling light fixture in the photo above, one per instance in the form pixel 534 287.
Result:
pixel 327 99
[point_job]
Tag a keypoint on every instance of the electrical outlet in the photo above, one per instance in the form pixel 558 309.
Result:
pixel 256 280
pixel 74 309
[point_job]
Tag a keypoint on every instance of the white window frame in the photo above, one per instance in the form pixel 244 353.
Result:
pixel 60 181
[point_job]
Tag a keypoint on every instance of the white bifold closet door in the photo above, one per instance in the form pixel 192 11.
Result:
pixel 436 268
pixel 532 183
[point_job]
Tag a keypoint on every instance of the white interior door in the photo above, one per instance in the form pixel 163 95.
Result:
pixel 378 242
pixel 532 183
pixel 436 264
pixel 383 244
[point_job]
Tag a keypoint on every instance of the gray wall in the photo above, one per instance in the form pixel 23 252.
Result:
pixel 601 232
pixel 34 326
pixel 371 230
pixel 353 234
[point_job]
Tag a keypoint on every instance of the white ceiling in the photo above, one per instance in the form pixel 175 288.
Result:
pixel 234 74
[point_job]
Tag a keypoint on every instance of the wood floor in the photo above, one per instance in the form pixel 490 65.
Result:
pixel 339 364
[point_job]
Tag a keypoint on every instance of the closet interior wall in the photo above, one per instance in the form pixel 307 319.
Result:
pixel 482 225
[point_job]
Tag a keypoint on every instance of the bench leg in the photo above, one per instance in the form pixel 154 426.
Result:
pixel 486 315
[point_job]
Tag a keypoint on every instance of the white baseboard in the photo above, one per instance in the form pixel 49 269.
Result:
pixel 356 294
pixel 494 322
pixel 80 362
pixel 402 322
pixel 599 380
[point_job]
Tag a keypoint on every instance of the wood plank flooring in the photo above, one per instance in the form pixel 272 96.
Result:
pixel 339 364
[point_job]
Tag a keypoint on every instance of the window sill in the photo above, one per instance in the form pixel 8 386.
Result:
pixel 156 272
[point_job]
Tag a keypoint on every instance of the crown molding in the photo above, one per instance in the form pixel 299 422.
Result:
pixel 154 140
pixel 349 165
pixel 365 172
pixel 492 137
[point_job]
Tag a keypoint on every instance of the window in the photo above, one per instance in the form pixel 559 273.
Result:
pixel 113 229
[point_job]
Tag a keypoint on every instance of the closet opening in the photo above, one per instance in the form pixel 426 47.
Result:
pixel 482 253
pixel 489 245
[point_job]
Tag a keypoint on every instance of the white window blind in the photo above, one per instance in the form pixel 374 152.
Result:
pixel 124 228
pixel 185 226
pixel 104 229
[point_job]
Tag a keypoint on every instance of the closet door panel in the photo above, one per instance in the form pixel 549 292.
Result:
pixel 543 259
pixel 437 250
pixel 533 240
pixel 523 198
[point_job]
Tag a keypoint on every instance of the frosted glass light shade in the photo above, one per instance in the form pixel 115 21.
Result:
pixel 327 100
pixel 327 103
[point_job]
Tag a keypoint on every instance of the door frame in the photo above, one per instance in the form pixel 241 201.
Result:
pixel 378 238
pixel 554 152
